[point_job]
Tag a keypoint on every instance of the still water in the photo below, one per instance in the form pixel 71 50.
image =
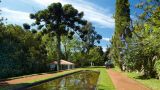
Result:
pixel 84 80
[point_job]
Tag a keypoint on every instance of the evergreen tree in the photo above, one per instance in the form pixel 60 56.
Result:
pixel 122 30
pixel 59 20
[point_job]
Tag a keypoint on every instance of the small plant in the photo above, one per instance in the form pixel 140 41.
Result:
pixel 157 68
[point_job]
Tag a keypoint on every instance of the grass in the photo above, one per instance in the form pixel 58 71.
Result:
pixel 104 81
pixel 152 83
pixel 116 68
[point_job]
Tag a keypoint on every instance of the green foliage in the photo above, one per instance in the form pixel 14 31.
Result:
pixel 21 52
pixel 139 49
pixel 122 18
pixel 59 20
pixel 63 34
pixel 91 36
pixel 150 83
pixel 73 51
pixel 26 26
pixel 142 53
pixel 122 31
pixel 96 55
pixel 143 48
pixel 157 67
pixel 105 82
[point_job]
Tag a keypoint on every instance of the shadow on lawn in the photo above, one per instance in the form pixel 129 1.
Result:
pixel 142 77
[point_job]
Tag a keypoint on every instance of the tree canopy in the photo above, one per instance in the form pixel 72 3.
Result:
pixel 59 32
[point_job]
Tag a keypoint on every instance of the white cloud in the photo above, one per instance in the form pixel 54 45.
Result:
pixel 93 13
pixel 104 49
pixel 46 2
pixel 16 17
pixel 106 39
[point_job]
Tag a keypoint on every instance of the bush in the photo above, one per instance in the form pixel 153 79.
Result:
pixel 21 52
pixel 157 68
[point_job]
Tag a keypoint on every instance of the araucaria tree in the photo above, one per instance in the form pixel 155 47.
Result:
pixel 59 20
pixel 122 30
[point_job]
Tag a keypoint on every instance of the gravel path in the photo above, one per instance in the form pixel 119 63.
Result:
pixel 122 82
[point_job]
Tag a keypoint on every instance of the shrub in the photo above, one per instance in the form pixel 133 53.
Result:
pixel 157 68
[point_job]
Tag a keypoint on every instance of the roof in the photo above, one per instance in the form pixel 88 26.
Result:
pixel 63 62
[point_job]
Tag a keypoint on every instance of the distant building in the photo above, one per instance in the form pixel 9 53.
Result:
pixel 65 65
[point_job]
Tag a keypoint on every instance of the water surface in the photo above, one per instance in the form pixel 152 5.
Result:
pixel 84 80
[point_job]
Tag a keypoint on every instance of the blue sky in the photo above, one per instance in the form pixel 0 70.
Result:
pixel 99 12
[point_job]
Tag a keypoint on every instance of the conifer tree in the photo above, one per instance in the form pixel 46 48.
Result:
pixel 122 30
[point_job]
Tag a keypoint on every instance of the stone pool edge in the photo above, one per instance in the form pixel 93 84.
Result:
pixel 43 81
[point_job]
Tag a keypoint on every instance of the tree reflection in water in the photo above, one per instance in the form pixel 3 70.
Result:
pixel 84 80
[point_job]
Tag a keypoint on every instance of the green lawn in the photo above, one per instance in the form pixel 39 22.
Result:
pixel 104 81
pixel 152 83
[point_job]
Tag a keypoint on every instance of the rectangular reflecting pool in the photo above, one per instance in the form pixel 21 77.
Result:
pixel 83 80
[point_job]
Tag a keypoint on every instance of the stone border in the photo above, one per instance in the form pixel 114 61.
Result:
pixel 50 79
pixel 44 81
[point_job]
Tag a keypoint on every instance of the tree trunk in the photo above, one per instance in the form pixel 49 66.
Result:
pixel 58 52
pixel 120 63
pixel 65 50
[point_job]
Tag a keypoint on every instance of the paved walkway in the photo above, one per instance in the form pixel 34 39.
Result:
pixel 122 82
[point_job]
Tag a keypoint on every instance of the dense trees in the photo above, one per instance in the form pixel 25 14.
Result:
pixel 21 51
pixel 142 50
pixel 76 50
pixel 145 52
pixel 96 51
pixel 63 34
